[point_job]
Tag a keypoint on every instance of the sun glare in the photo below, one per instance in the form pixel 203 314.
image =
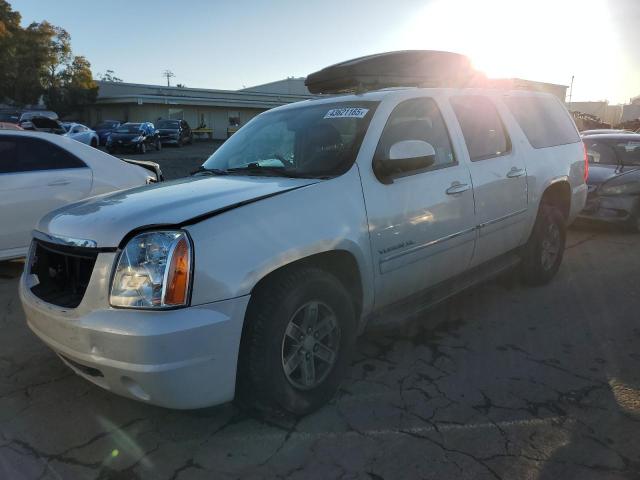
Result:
pixel 541 40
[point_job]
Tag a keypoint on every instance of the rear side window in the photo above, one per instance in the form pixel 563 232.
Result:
pixel 24 154
pixel 417 119
pixel 543 120
pixel 482 128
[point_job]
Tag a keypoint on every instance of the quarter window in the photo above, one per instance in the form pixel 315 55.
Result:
pixel 543 120
pixel 417 119
pixel 24 154
pixel 482 128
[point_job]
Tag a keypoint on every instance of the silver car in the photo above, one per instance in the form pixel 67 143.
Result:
pixel 253 278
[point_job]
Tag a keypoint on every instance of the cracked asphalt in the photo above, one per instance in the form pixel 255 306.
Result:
pixel 501 382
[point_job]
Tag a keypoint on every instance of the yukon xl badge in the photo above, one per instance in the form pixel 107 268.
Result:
pixel 398 246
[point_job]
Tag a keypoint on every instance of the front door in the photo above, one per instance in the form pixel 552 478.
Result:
pixel 422 222
pixel 499 177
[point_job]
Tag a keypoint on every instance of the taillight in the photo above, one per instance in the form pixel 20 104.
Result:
pixel 586 163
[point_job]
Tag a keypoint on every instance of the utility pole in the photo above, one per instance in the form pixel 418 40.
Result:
pixel 570 92
pixel 168 74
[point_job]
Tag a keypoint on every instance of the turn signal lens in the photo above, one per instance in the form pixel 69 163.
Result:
pixel 177 285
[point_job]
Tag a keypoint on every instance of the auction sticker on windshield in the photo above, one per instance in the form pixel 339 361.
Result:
pixel 351 112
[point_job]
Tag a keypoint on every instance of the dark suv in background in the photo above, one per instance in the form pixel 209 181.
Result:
pixel 137 137
pixel 176 132
pixel 105 128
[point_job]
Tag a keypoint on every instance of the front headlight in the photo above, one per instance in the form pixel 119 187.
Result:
pixel 153 271
pixel 629 188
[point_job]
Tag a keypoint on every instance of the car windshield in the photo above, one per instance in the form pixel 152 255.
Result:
pixel 168 124
pixel 133 128
pixel 314 140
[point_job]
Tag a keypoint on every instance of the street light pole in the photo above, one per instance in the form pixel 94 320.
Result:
pixel 571 92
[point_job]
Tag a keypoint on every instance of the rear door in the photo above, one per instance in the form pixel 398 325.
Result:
pixel 498 174
pixel 36 177
pixel 422 225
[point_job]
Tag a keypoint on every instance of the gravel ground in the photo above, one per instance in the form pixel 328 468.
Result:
pixel 178 162
pixel 501 382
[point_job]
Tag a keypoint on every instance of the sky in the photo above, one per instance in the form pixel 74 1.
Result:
pixel 231 44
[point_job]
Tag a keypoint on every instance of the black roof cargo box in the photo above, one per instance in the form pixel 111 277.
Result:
pixel 407 68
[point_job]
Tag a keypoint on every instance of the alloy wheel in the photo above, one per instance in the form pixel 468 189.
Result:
pixel 310 345
pixel 550 246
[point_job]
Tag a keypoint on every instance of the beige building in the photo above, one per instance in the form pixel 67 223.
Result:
pixel 221 110
pixel 611 114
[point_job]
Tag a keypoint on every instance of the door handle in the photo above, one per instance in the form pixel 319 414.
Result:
pixel 516 172
pixel 59 183
pixel 457 187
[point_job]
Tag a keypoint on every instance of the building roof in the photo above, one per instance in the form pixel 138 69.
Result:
pixel 121 92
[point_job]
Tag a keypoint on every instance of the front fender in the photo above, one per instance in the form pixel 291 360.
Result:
pixel 233 251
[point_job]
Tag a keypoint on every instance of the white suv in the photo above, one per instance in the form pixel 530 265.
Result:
pixel 254 276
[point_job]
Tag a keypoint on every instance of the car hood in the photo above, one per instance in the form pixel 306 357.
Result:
pixel 169 130
pixel 599 174
pixel 107 219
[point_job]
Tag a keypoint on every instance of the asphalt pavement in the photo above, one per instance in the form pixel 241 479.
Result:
pixel 501 382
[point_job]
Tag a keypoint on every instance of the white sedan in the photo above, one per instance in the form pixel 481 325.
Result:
pixel 81 133
pixel 40 172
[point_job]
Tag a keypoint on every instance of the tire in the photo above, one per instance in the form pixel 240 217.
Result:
pixel 179 142
pixel 543 252
pixel 143 148
pixel 158 145
pixel 287 300
pixel 94 143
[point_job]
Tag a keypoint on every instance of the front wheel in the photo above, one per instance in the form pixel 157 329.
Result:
pixel 143 148
pixel 158 145
pixel 543 252
pixel 299 334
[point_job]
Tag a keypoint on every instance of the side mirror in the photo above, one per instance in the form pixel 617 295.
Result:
pixel 406 156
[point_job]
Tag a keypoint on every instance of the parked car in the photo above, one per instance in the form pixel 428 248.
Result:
pixel 312 221
pixel 104 129
pixel 81 133
pixel 43 124
pixel 137 137
pixel 176 132
pixel 614 180
pixel 603 131
pixel 40 172
pixel 29 114
pixel 10 116
pixel 10 126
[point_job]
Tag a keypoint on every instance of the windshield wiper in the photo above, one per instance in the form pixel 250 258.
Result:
pixel 209 171
pixel 255 168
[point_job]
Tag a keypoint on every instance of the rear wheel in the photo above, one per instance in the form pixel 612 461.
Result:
pixel 543 253
pixel 299 333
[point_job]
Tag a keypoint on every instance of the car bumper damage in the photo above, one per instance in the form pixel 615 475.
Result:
pixel 184 358
pixel 610 209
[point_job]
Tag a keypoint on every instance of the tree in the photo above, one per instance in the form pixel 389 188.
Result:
pixel 74 87
pixel 9 30
pixel 109 76
pixel 37 61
